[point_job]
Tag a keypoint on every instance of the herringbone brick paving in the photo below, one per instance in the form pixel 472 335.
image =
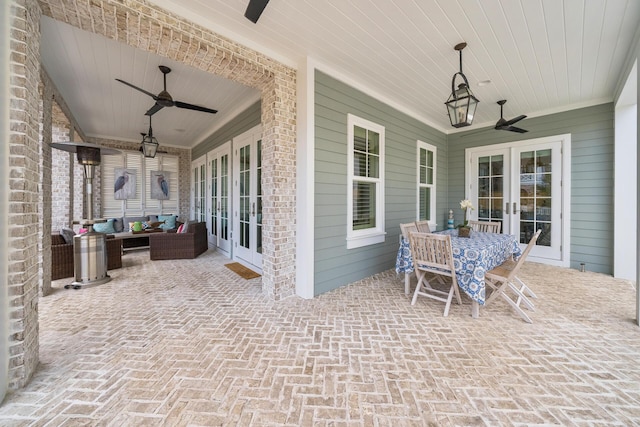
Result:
pixel 190 343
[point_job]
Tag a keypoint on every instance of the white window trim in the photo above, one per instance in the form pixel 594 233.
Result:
pixel 425 146
pixel 360 238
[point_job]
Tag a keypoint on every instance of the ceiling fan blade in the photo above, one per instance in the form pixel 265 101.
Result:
pixel 156 107
pixel 194 107
pixel 514 120
pixel 137 88
pixel 514 129
pixel 255 9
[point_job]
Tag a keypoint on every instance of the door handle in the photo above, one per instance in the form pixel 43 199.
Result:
pixel 515 210
pixel 506 208
pixel 253 209
pixel 218 206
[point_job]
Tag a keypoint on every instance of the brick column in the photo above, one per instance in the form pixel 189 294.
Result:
pixel 24 150
pixel 279 186
pixel 45 191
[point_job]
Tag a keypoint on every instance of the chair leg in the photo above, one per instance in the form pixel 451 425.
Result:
pixel 448 303
pixel 524 289
pixel 497 290
pixel 522 298
pixel 517 308
pixel 420 276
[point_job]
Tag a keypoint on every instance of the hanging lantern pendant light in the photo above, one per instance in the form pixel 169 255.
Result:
pixel 461 105
pixel 149 143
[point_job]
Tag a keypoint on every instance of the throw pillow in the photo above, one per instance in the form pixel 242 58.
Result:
pixel 169 221
pixel 67 235
pixel 187 224
pixel 105 227
pixel 118 225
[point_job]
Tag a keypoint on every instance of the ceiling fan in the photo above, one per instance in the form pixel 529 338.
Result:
pixel 255 9
pixel 163 99
pixel 503 124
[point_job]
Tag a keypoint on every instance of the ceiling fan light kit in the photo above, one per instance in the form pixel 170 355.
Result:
pixel 462 104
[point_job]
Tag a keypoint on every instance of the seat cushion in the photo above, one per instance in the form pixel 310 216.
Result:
pixel 67 234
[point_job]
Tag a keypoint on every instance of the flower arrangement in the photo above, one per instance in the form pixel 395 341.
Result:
pixel 465 205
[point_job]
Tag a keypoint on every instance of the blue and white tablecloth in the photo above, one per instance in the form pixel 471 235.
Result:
pixel 472 257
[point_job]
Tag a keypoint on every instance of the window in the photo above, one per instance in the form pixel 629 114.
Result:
pixel 142 203
pixel 365 187
pixel 426 183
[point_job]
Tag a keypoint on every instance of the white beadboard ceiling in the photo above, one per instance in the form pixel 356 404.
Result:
pixel 541 55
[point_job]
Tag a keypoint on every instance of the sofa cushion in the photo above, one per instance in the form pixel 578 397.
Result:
pixel 105 227
pixel 67 234
pixel 169 221
pixel 118 225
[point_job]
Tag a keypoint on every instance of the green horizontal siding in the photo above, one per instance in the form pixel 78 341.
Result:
pixel 334 265
pixel 592 163
pixel 241 123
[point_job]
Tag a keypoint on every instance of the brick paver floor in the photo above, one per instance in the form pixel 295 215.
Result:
pixel 190 343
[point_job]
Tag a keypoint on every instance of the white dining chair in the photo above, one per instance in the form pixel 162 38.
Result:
pixel 433 255
pixel 501 280
pixel 485 226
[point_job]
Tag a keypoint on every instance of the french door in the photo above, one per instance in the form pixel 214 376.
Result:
pixel 199 189
pixel 520 185
pixel 247 197
pixel 219 203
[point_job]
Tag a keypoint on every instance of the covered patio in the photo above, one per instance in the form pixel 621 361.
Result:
pixel 192 343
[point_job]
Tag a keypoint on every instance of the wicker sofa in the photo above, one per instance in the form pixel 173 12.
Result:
pixel 173 245
pixel 62 256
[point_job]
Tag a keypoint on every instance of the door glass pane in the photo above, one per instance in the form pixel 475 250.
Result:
pixel 245 196
pixel 214 197
pixel 224 197
pixel 490 187
pixel 202 193
pixel 535 196
pixel 483 166
pixel 259 198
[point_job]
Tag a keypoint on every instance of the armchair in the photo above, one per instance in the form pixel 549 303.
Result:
pixel 62 256
pixel 173 245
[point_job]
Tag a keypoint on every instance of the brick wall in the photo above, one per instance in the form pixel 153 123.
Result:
pixel 24 154
pixel 61 172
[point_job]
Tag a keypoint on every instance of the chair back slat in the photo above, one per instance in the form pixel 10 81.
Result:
pixel 485 226
pixel 423 226
pixel 407 228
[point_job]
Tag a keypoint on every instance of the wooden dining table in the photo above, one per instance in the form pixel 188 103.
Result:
pixel 473 256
